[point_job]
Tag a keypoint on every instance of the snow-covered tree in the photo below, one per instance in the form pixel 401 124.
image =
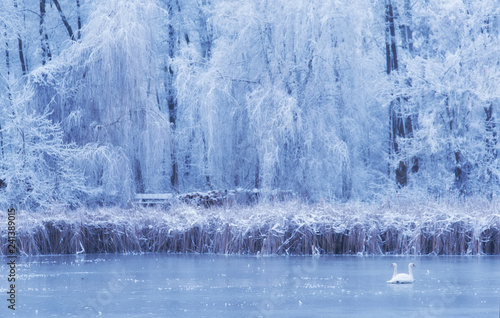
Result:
pixel 37 168
pixel 455 88
pixel 272 107
pixel 104 91
pixel 332 100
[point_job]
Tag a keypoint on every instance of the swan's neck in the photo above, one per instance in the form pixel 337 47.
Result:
pixel 410 270
pixel 395 270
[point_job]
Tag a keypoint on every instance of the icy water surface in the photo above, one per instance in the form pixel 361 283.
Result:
pixel 163 285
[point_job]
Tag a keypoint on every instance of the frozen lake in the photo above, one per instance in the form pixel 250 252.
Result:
pixel 163 285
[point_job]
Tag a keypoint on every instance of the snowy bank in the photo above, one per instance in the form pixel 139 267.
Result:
pixel 266 228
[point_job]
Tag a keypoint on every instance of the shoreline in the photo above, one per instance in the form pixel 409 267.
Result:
pixel 276 228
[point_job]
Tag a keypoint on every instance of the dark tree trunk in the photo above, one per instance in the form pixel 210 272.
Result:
pixel 171 98
pixel 7 65
pixel 491 133
pixel 79 20
pixel 64 20
pixel 390 43
pixel 491 145
pixel 400 121
pixel 399 131
pixel 206 53
pixel 44 38
pixel 462 167
pixel 461 173
pixel 407 44
pixel 21 55
pixel 395 119
pixel 205 33
pixel 406 32
pixel 24 68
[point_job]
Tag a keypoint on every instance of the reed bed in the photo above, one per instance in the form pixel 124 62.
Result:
pixel 265 228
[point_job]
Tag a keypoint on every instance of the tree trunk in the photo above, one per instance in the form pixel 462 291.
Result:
pixel 206 53
pixel 395 120
pixel 44 38
pixel 64 20
pixel 21 55
pixel 407 44
pixel 491 146
pixel 7 64
pixel 205 33
pixel 406 33
pixel 171 100
pixel 24 67
pixel 461 169
pixel 460 174
pixel 400 120
pixel 491 133
pixel 390 43
pixel 79 20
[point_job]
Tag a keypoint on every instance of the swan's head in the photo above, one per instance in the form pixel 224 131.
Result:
pixel 412 265
pixel 394 265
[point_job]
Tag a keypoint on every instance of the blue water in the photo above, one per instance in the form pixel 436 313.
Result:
pixel 163 285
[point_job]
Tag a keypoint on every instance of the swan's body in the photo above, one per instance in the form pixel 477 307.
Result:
pixel 403 278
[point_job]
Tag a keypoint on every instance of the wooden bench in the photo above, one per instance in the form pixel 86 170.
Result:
pixel 211 198
pixel 153 198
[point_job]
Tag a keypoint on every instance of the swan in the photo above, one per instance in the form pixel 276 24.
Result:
pixel 395 270
pixel 403 278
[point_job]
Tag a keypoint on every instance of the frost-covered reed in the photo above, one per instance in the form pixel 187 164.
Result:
pixel 266 228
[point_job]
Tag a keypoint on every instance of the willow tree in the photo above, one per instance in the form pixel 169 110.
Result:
pixel 272 107
pixel 103 90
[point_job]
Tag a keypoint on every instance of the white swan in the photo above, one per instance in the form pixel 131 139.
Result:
pixel 403 278
pixel 395 270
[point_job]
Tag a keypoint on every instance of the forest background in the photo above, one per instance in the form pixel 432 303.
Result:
pixel 336 101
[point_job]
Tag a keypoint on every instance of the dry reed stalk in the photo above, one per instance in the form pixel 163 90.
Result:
pixel 293 233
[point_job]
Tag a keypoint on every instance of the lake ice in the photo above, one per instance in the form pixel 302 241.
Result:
pixel 173 285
